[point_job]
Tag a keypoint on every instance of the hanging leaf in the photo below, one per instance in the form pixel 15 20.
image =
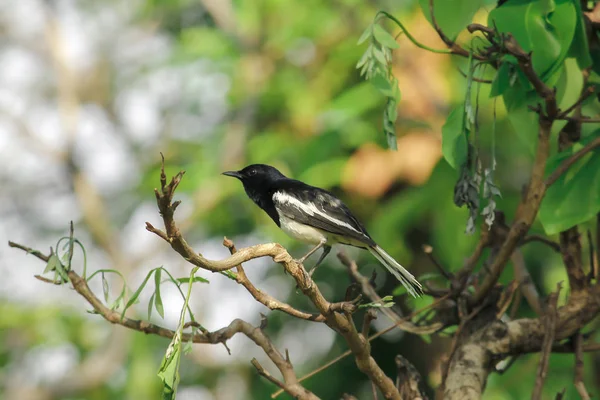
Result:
pixel 151 305
pixel 196 279
pixel 134 297
pixel 384 38
pixel 365 35
pixel 105 289
pixel 53 262
pixel 454 140
pixel 158 299
pixel 502 79
pixel 169 369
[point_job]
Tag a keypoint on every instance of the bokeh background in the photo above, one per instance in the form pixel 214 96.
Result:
pixel 91 92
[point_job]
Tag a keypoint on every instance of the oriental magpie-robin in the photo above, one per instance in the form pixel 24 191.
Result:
pixel 314 216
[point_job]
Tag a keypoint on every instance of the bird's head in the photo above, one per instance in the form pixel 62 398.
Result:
pixel 257 178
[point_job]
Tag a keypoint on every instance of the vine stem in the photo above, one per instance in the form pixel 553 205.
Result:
pixel 410 37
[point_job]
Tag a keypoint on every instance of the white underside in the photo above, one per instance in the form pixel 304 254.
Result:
pixel 311 235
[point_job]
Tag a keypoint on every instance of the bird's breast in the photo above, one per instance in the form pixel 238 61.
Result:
pixel 300 231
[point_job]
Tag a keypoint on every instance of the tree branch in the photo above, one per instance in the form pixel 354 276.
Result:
pixel 475 357
pixel 550 327
pixel 565 165
pixel 578 380
pixel 337 321
pixel 265 298
pixel 290 384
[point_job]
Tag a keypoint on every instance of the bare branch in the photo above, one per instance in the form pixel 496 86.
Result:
pixel 265 298
pixel 291 384
pixel 542 239
pixel 578 381
pixel 550 327
pixel 565 165
pixel 526 284
pixel 428 250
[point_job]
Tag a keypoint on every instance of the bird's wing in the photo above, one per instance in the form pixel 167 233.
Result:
pixel 320 209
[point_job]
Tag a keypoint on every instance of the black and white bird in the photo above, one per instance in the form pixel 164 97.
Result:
pixel 313 215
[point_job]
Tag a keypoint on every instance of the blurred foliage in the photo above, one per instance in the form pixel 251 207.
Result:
pixel 296 100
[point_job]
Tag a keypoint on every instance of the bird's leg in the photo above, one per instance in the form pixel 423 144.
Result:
pixel 326 250
pixel 310 253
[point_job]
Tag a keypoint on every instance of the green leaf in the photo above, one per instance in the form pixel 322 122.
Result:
pixel 502 79
pixel 136 294
pixel 105 290
pixel 389 126
pixel 53 262
pixel 579 47
pixel 151 305
pixel 540 27
pixel 365 35
pixel 384 38
pixel 575 197
pixel 452 16
pixel 61 271
pixel 186 279
pixel 454 140
pixel 382 84
pixel 569 85
pixel 158 299
pixel 169 369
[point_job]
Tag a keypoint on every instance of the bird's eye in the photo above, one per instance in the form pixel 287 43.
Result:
pixel 252 172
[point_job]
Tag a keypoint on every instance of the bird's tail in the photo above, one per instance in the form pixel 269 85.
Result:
pixel 408 281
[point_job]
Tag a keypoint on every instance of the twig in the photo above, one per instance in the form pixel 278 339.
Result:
pixel 568 348
pixel 265 298
pixel 374 391
pixel 371 338
pixel 526 284
pixel 597 260
pixel 592 258
pixel 566 164
pixel 428 250
pixel 550 326
pixel 570 249
pixel 370 315
pixel 471 262
pixel 456 49
pixel 514 308
pixel 542 239
pixel 291 385
pixel 264 373
pixel 506 299
pixel 578 380
pixel 584 96
pixel 29 250
pixel 369 291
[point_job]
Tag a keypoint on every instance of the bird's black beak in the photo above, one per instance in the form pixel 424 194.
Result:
pixel 234 174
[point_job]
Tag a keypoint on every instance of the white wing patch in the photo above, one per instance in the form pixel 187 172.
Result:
pixel 311 209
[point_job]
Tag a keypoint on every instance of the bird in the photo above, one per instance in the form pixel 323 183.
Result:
pixel 315 216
